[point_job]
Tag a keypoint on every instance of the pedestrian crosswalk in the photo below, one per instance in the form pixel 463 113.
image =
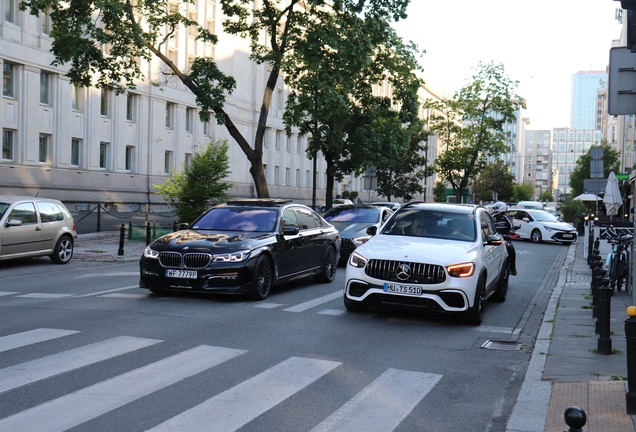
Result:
pixel 381 406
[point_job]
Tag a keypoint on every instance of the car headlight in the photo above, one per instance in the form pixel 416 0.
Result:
pixel 359 240
pixel 461 270
pixel 151 253
pixel 547 228
pixel 237 256
pixel 357 260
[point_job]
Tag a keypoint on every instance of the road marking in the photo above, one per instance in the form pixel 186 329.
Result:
pixel 315 302
pixel 78 407
pixel 108 274
pixel 45 295
pixel 241 404
pixel 124 295
pixel 32 336
pixel 6 293
pixel 491 329
pixel 45 367
pixel 333 312
pixel 108 291
pixel 383 404
pixel 267 305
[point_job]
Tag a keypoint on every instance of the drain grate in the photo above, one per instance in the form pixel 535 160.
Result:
pixel 501 345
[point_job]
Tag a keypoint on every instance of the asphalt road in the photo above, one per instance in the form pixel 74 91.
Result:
pixel 84 348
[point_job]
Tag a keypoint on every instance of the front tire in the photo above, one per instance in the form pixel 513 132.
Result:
pixel 262 278
pixel 328 273
pixel 63 250
pixel 536 236
pixel 475 314
pixel 502 284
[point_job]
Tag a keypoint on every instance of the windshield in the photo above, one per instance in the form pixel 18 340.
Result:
pixel 3 208
pixel 358 214
pixel 237 219
pixel 543 216
pixel 432 223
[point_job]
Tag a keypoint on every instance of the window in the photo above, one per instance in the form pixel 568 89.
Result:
pixel 169 114
pixel 10 11
pixel 75 151
pixel 188 119
pixel 188 159
pixel 7 144
pixel 44 149
pixel 299 146
pixel 289 144
pixel 278 140
pixel 167 162
pixel 130 106
pixel 45 21
pixel 287 176
pixel 129 158
pixel 206 128
pixel 103 155
pixel 103 103
pixel 276 174
pixel 307 179
pixel 297 177
pixel 76 98
pixel 25 213
pixel 44 87
pixel 265 173
pixel 8 80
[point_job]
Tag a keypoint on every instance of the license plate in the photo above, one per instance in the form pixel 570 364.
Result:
pixel 181 274
pixel 568 235
pixel 403 289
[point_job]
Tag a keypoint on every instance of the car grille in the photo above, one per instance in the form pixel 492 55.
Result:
pixel 420 273
pixel 189 260
pixel 346 243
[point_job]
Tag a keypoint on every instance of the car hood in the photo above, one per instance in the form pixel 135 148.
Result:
pixel 418 249
pixel 204 241
pixel 561 226
pixel 352 229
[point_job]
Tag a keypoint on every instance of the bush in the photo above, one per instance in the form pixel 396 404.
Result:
pixel 572 209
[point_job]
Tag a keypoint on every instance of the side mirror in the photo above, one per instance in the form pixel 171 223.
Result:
pixel 14 222
pixel 290 230
pixel 525 219
pixel 183 225
pixel 372 230
pixel 493 240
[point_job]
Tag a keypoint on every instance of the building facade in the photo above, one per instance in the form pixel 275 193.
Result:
pixel 585 113
pixel 537 162
pixel 567 146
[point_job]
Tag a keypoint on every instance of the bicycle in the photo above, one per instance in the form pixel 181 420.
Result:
pixel 618 260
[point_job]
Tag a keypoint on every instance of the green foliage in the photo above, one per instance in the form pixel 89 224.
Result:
pixel 346 194
pixel 200 184
pixel 470 127
pixel 354 195
pixel 611 162
pixel 572 209
pixel 439 192
pixel 546 196
pixel 522 192
pixel 494 177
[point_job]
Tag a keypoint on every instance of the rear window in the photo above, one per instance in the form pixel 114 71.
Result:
pixel 352 215
pixel 49 212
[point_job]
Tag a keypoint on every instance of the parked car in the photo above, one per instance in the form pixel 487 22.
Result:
pixel 445 258
pixel 337 202
pixel 540 225
pixel 34 227
pixel 530 205
pixel 392 205
pixel 243 247
pixel 352 222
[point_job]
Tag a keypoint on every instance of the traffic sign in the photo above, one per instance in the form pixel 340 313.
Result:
pixel 621 86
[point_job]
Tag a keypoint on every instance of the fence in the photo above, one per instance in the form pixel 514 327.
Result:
pixel 91 218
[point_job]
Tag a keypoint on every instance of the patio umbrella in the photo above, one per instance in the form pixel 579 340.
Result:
pixel 587 197
pixel 612 197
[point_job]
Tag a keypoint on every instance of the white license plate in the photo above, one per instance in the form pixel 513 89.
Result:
pixel 181 274
pixel 403 289
pixel 568 235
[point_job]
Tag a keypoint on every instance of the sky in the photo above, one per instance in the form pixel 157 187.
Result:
pixel 540 43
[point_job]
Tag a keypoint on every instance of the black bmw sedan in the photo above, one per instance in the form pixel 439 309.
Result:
pixel 243 247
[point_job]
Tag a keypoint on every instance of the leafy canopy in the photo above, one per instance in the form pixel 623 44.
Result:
pixel 611 162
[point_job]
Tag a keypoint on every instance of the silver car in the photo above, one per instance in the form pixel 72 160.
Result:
pixel 33 227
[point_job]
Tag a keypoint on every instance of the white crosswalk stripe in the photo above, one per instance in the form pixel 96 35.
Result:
pixel 83 405
pixel 30 337
pixel 239 405
pixel 35 370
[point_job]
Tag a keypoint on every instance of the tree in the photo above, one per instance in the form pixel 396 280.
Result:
pixel 495 177
pixel 332 95
pixel 546 196
pixel 102 42
pixel 439 192
pixel 200 184
pixel 470 126
pixel 611 162
pixel 522 192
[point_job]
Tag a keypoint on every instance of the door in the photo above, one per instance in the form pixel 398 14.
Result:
pixel 21 231
pixel 290 247
pixel 518 217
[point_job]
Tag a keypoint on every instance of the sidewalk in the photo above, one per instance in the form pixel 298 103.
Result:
pixel 104 246
pixel 565 369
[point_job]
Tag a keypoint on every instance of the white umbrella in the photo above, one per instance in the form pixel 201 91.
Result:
pixel 587 197
pixel 612 197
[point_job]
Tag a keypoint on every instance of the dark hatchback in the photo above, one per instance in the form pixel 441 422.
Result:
pixel 243 247
pixel 352 222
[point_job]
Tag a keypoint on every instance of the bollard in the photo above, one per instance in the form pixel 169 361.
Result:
pixel 99 217
pixel 174 226
pixel 576 418
pixel 603 322
pixel 147 233
pixel 630 336
pixel 130 233
pixel 596 271
pixel 122 233
pixel 599 281
pixel 596 257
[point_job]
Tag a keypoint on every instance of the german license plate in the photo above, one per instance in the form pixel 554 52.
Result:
pixel 402 289
pixel 568 235
pixel 181 274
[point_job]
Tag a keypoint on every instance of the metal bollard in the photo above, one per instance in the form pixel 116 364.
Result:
pixel 596 271
pixel 122 233
pixel 174 226
pixel 99 217
pixel 147 233
pixel 602 274
pixel 603 321
pixel 130 233
pixel 576 418
pixel 596 256
pixel 630 336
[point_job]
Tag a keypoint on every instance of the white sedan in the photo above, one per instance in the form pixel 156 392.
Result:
pixel 539 225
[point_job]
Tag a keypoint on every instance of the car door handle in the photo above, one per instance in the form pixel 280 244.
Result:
pixel 38 229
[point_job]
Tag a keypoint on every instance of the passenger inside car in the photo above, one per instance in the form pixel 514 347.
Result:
pixel 418 228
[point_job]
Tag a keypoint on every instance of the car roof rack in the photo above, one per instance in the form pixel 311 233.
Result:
pixel 259 201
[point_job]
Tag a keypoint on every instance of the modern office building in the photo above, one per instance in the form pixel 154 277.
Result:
pixel 585 112
pixel 84 145
pixel 567 146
